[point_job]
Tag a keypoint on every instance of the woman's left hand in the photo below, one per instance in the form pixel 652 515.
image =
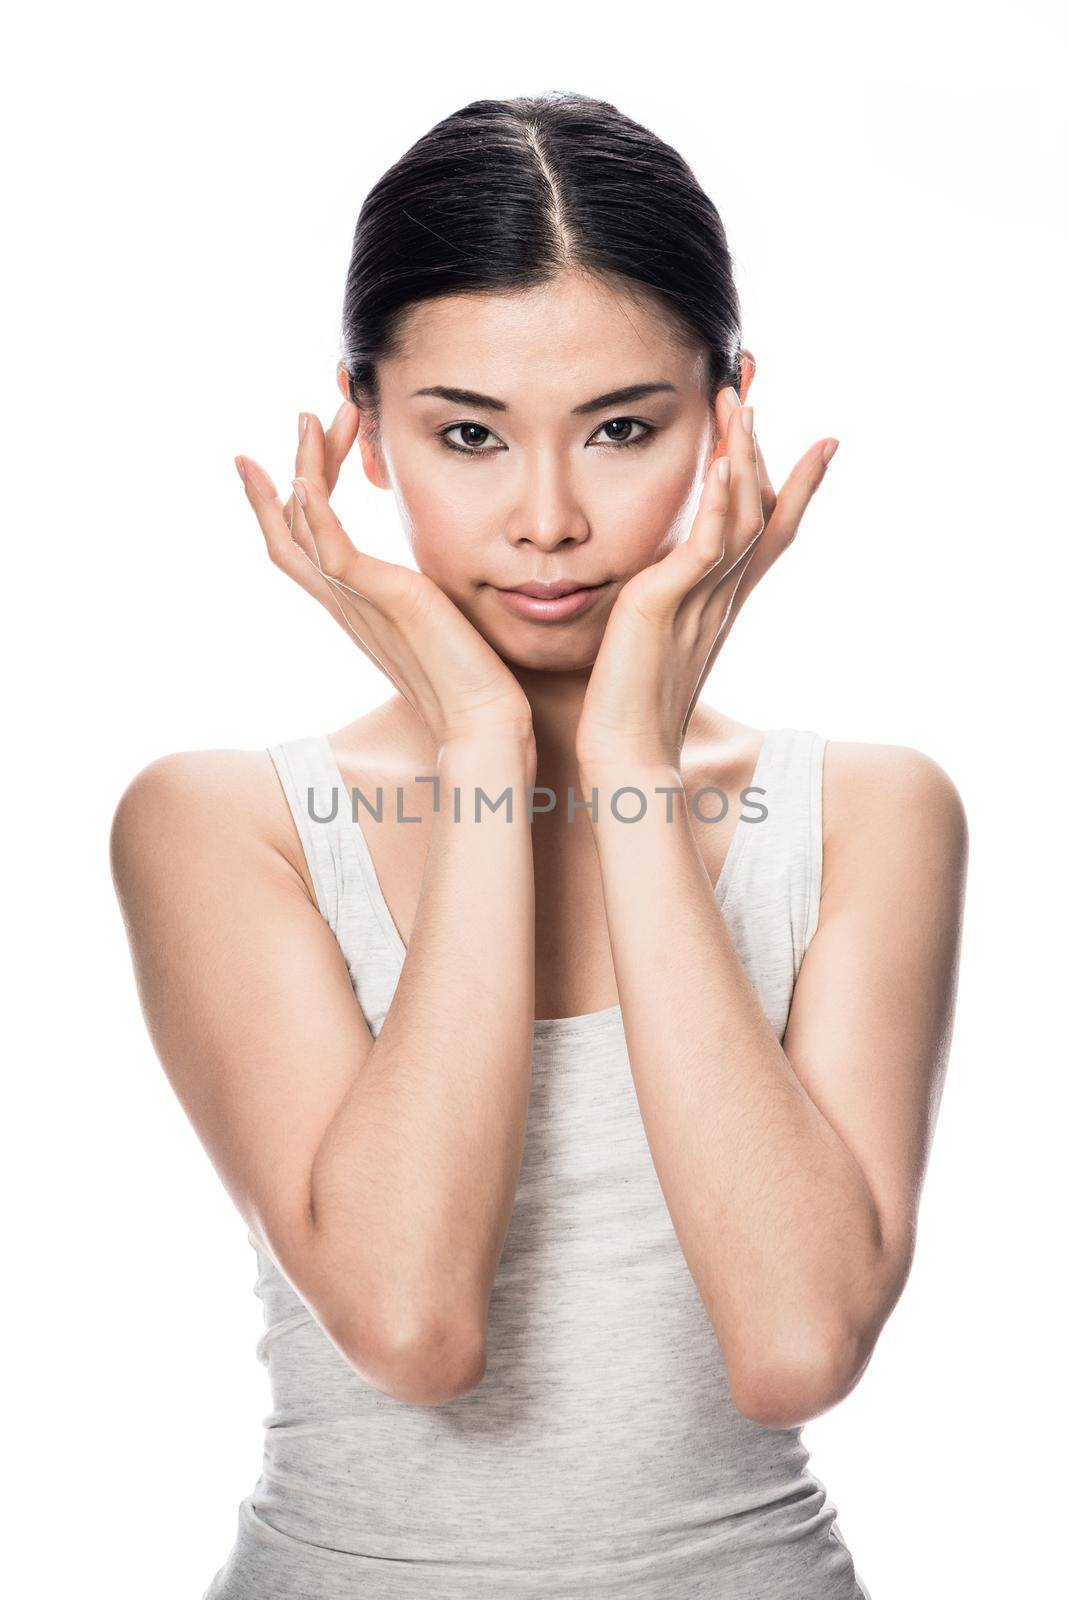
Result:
pixel 670 620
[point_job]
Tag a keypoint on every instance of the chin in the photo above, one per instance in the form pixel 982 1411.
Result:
pixel 548 654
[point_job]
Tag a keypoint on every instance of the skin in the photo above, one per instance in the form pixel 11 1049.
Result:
pixel 382 1172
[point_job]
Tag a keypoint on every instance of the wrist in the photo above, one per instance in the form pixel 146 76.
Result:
pixel 479 755
pixel 607 774
pixel 598 750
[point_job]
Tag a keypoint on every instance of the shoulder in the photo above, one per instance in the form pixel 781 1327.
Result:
pixel 889 809
pixel 192 802
pixel 866 782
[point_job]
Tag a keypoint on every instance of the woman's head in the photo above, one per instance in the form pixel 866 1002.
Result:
pixel 542 253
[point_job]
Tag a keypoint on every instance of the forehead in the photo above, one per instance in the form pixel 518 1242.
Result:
pixel 575 333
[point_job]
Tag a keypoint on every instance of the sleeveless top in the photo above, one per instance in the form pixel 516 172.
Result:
pixel 601 1454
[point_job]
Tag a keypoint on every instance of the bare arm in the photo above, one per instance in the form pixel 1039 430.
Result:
pixel 380 1173
pixel 792 1172
pixel 417 1172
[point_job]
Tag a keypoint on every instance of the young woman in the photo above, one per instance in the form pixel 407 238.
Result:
pixel 571 1050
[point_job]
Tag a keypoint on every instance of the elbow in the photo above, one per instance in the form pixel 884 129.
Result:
pixel 789 1391
pixel 429 1366
pixel 434 1369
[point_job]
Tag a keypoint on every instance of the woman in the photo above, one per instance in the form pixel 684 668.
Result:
pixel 580 1148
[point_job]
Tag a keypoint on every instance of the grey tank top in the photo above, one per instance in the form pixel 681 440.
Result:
pixel 602 1454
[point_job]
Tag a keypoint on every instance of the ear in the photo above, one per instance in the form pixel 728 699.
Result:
pixel 373 465
pixel 748 373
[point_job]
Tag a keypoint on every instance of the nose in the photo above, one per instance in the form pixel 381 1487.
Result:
pixel 546 512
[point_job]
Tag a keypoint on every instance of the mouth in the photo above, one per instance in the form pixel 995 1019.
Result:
pixel 551 602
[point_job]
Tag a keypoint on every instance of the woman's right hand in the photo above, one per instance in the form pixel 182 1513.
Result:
pixel 400 618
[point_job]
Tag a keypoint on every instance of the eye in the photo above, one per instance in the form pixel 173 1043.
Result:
pixel 473 436
pixel 617 443
pixel 470 447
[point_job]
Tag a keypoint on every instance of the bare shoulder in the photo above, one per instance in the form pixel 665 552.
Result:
pixel 892 809
pixel 192 799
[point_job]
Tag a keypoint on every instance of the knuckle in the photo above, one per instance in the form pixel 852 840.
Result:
pixel 334 561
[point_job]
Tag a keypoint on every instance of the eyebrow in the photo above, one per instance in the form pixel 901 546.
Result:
pixel 471 397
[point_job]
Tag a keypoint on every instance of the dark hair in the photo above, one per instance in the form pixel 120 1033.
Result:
pixel 506 194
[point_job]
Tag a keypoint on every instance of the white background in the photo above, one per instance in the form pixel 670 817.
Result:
pixel 181 189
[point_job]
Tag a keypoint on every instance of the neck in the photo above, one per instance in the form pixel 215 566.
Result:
pixel 556 700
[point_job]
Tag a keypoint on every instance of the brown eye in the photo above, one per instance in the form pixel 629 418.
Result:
pixel 473 437
pixel 627 437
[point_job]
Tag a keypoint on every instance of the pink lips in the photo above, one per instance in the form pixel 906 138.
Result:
pixel 550 591
pixel 550 602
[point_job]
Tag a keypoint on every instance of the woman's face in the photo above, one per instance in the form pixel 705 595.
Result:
pixel 532 474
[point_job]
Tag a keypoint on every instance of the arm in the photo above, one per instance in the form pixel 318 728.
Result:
pixel 792 1172
pixel 381 1173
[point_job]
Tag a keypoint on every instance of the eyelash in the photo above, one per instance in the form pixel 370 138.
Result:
pixel 620 444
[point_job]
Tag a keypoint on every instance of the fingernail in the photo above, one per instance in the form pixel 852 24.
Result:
pixel 300 492
pixel 240 470
pixel 829 449
pixel 259 480
pixel 747 418
pixel 302 423
pixel 733 399
pixel 339 413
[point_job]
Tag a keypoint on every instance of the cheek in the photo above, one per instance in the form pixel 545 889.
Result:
pixel 440 522
pixel 446 544
pixel 650 513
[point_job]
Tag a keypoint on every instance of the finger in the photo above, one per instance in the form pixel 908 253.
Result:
pixel 717 592
pixel 319 457
pixel 310 464
pixel 747 511
pixel 339 440
pixel 293 560
pixel 298 526
pixel 753 492
pixel 374 585
pixel 281 547
pixel 720 536
pixel 767 488
pixel 776 537
pixel 799 488
pixel 347 569
pixel 795 495
pixel 707 543
pixel 663 586
pixel 311 451
pixel 726 602
pixel 766 550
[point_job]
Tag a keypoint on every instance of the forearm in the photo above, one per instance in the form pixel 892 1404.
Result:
pixel 418 1170
pixel 771 1209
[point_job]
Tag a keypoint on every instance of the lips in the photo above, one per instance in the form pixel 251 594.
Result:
pixel 550 591
pixel 555 602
